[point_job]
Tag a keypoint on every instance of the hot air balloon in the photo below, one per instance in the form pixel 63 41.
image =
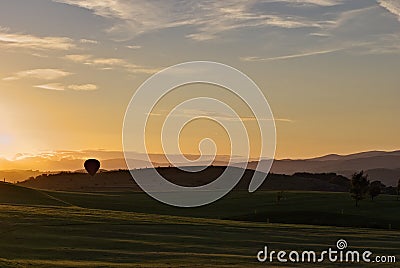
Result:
pixel 92 166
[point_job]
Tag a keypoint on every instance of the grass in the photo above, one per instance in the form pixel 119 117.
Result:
pixel 59 229
pixel 319 208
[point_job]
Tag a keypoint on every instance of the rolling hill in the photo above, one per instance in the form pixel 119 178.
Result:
pixel 122 180
pixel 13 194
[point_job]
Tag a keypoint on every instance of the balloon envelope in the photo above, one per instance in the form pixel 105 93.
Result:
pixel 92 166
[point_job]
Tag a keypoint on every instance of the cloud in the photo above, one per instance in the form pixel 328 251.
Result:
pixel 134 47
pixel 323 25
pixel 18 40
pixel 52 86
pixel 45 74
pixel 323 3
pixel 78 57
pixel 88 41
pixel 61 87
pixel 293 56
pixel 109 63
pixel 83 87
pixel 383 44
pixel 208 18
pixel 356 31
pixel 393 6
pixel 320 34
pixel 39 55
pixel 192 113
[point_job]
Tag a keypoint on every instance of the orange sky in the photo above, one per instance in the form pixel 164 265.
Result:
pixel 329 71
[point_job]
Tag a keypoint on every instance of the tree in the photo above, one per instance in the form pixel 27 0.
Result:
pixel 375 189
pixel 359 186
pixel 398 190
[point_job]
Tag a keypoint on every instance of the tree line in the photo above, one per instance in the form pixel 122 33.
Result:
pixel 361 187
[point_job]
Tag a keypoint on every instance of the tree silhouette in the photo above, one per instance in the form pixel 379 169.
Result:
pixel 359 186
pixel 375 189
pixel 398 190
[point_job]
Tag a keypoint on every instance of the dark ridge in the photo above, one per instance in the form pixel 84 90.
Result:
pixel 121 180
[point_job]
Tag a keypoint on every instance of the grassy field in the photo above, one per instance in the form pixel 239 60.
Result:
pixel 59 229
pixel 319 208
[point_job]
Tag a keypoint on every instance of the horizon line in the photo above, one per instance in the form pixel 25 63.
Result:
pixel 55 152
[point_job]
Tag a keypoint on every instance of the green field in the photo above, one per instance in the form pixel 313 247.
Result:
pixel 60 229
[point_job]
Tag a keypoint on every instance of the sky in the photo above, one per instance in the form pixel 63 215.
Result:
pixel 329 69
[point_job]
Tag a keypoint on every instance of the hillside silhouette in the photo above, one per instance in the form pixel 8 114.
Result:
pixel 121 180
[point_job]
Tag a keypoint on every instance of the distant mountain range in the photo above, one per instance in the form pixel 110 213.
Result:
pixel 379 165
pixel 110 160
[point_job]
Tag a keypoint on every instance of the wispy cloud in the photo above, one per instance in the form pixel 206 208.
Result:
pixel 52 86
pixel 133 47
pixel 61 87
pixel 88 41
pixel 83 87
pixel 192 113
pixel 342 34
pixel 292 56
pixel 320 34
pixel 78 57
pixel 393 6
pixel 109 63
pixel 44 74
pixel 19 40
pixel 383 44
pixel 209 18
pixel 323 3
